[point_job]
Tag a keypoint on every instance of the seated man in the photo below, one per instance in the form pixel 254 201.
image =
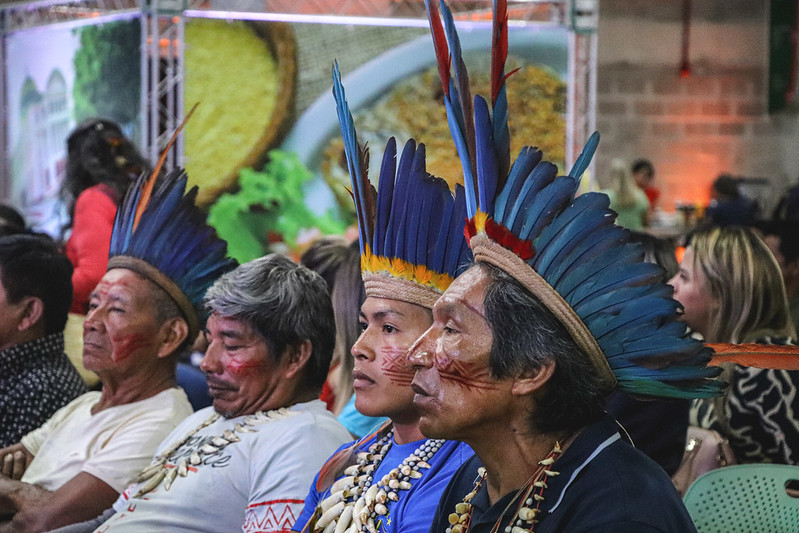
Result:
pixel 245 463
pixel 402 283
pixel 141 315
pixel 36 377
pixel 557 311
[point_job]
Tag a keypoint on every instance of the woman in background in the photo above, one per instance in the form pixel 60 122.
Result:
pixel 629 201
pixel 731 288
pixel 101 164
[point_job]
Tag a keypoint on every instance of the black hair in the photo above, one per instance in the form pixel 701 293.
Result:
pixel 526 335
pixel 33 265
pixel 99 153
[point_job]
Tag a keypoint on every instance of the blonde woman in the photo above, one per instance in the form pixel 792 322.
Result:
pixel 626 198
pixel 730 286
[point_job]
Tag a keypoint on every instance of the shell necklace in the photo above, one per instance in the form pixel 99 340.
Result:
pixel 355 503
pixel 529 497
pixel 163 470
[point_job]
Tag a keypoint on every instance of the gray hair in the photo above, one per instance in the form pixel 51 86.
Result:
pixel 526 335
pixel 283 302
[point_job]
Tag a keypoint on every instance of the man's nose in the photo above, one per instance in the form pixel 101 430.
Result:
pixel 421 352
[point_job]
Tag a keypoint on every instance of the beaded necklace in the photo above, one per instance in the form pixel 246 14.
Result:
pixel 162 470
pixel 529 497
pixel 355 502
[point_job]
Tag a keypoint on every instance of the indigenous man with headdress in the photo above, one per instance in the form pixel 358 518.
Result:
pixel 557 311
pixel 412 245
pixel 142 314
pixel 244 463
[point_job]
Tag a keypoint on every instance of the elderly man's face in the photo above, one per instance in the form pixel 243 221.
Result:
pixel 241 372
pixel 455 394
pixel 120 327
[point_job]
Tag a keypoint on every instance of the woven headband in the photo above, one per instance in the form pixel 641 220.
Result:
pixel 147 271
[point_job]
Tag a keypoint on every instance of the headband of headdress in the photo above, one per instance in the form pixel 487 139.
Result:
pixel 525 219
pixel 161 234
pixel 411 230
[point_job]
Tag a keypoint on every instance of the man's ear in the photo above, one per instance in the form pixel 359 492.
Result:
pixel 296 357
pixel 32 312
pixel 531 382
pixel 175 331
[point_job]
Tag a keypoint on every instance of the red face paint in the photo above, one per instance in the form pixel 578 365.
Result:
pixel 244 368
pixel 122 345
pixel 394 365
pixel 467 375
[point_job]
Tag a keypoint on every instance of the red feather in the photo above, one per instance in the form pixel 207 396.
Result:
pixel 502 235
pixel 147 189
pixel 774 356
pixel 440 44
pixel 499 48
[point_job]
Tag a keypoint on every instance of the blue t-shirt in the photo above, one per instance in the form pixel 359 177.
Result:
pixel 414 510
pixel 604 486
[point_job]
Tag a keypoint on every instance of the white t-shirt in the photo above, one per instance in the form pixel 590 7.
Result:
pixel 112 445
pixel 255 485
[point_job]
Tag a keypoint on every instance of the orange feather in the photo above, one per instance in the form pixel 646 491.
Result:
pixel 147 189
pixel 773 356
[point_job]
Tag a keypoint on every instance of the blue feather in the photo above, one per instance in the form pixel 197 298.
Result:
pixel 438 253
pixel 613 302
pixel 357 159
pixel 466 163
pixel 385 193
pixel 501 135
pixel 569 270
pixel 542 175
pixel 486 157
pixel 527 160
pixel 457 247
pixel 583 216
pixel 611 244
pixel 460 83
pixel 395 221
pixel 632 274
pixel 546 206
pixel 643 310
pixel 585 156
pixel 585 205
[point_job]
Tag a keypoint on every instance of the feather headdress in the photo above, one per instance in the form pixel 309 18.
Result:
pixel 525 219
pixel 411 229
pixel 161 234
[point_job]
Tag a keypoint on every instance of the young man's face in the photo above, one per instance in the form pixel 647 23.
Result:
pixel 455 393
pixel 381 374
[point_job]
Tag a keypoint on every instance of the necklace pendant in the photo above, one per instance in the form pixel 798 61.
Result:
pixel 153 482
pixel 183 468
pixel 170 477
pixel 149 471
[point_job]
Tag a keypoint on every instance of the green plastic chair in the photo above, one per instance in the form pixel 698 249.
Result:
pixel 749 498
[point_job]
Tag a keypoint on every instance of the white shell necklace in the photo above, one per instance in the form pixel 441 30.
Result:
pixel 355 503
pixel 162 470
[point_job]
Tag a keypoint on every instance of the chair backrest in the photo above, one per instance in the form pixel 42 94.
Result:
pixel 745 499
